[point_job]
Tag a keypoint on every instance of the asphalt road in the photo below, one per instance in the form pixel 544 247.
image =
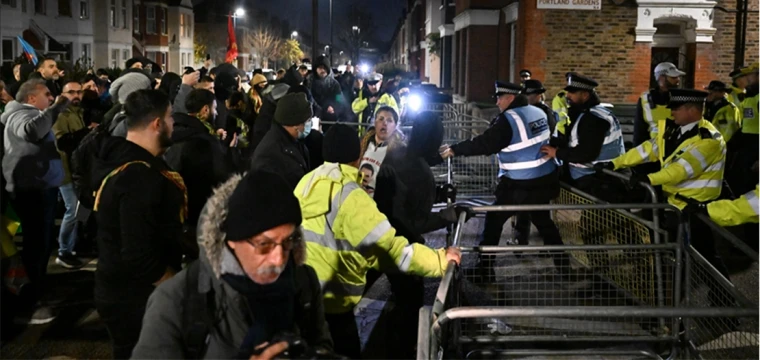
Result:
pixel 78 333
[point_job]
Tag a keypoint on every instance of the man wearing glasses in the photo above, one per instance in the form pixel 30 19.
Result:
pixel 250 285
pixel 69 131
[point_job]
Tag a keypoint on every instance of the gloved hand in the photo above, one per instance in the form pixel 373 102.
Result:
pixel 637 179
pixel 444 193
pixel 466 209
pixel 449 214
pixel 695 208
pixel 599 167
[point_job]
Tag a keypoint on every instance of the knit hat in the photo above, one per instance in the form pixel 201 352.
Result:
pixel 341 144
pixel 258 79
pixel 261 201
pixel 292 110
pixel 127 84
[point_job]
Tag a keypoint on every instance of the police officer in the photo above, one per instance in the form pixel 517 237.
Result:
pixel 594 135
pixel 744 210
pixel 745 142
pixel 736 95
pixel 724 115
pixel 525 75
pixel 534 90
pixel 652 105
pixel 525 177
pixel 692 158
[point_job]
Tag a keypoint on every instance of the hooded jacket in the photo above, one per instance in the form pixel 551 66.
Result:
pixel 326 90
pixel 346 235
pixel 201 160
pixel 162 336
pixel 30 158
pixel 139 224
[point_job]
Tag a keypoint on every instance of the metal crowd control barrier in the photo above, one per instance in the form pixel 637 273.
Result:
pixel 535 307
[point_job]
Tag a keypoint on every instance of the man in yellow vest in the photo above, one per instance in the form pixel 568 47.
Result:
pixel 652 105
pixel 719 111
pixel 692 158
pixel 743 179
pixel 739 83
pixel 346 235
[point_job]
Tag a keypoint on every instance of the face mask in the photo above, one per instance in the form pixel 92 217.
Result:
pixel 306 130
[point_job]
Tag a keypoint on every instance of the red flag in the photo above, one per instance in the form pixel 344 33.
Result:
pixel 232 49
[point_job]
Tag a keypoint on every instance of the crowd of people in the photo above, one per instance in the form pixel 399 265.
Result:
pixel 227 222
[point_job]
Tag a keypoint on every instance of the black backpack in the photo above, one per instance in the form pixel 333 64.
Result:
pixel 200 315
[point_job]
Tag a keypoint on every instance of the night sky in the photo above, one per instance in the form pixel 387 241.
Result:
pixel 298 12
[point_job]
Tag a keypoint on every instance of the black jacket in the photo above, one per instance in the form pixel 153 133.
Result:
pixel 138 217
pixel 281 154
pixel 263 122
pixel 200 158
pixel 591 133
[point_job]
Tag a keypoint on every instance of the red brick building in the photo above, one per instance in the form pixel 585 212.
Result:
pixel 617 44
pixel 162 31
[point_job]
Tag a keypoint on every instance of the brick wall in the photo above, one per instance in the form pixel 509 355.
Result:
pixel 721 52
pixel 481 63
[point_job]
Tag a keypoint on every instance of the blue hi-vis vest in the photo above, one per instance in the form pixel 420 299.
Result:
pixel 522 159
pixel 611 148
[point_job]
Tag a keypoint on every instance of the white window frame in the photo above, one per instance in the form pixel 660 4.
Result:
pixel 124 14
pixel 113 18
pixel 164 21
pixel 148 20
pixel 115 57
pixel 125 55
pixel 84 6
pixel 182 32
pixel 13 50
pixel 136 16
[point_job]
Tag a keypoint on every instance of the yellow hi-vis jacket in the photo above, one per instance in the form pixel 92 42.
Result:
pixel 736 212
pixel 346 235
pixel 736 96
pixel 749 108
pixel 361 103
pixel 693 170
pixel 652 116
pixel 727 120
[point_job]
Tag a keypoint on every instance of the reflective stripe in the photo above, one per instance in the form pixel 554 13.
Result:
pixel 716 167
pixel 753 202
pixel 337 201
pixel 642 152
pixel 327 240
pixel 520 125
pixel 698 155
pixel 617 134
pixel 686 166
pixel 341 289
pixel 699 184
pixel 374 235
pixel 406 258
pixel 528 143
pixel 523 165
pixel 648 117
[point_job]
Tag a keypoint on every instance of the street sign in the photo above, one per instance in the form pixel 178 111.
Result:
pixel 569 4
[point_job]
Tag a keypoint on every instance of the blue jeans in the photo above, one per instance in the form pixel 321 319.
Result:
pixel 67 238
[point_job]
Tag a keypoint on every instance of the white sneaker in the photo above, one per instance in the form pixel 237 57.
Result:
pixel 41 315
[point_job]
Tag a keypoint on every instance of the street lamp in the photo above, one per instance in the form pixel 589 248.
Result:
pixel 239 12
pixel 294 34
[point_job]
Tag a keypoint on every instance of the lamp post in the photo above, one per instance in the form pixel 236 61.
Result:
pixel 239 12
pixel 355 47
pixel 294 34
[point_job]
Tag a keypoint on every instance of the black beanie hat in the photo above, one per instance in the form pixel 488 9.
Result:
pixel 341 144
pixel 261 201
pixel 292 110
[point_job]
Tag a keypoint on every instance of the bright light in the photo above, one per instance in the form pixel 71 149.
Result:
pixel 415 102
pixel 294 34
pixel 364 68
pixel 239 12
pixel 355 28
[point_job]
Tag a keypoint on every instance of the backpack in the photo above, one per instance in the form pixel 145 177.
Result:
pixel 83 158
pixel 200 315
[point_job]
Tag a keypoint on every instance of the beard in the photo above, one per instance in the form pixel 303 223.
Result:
pixel 164 137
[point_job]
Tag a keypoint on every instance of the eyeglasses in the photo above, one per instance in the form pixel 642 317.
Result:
pixel 74 92
pixel 264 247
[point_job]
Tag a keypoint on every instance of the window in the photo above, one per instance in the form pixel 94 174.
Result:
pixel 114 58
pixel 136 19
pixel 189 26
pixel 165 22
pixel 11 3
pixel 124 14
pixel 112 13
pixel 64 8
pixel 87 53
pixel 23 6
pixel 184 59
pixel 39 6
pixel 164 60
pixel 125 55
pixel 150 19
pixel 7 50
pixel 84 9
pixel 182 26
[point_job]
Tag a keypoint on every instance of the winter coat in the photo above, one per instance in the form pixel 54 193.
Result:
pixel 30 158
pixel 162 333
pixel 138 213
pixel 55 86
pixel 280 153
pixel 200 158
pixel 69 131
pixel 326 91
pixel 263 123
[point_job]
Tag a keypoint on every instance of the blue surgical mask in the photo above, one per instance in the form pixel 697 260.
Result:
pixel 306 130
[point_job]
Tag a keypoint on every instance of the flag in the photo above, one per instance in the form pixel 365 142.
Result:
pixel 232 49
pixel 29 51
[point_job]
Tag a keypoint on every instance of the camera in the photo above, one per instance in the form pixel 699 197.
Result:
pixel 299 349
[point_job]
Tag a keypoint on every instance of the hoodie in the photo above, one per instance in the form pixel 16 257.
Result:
pixel 326 90
pixel 139 222
pixel 30 158
pixel 162 337
pixel 201 160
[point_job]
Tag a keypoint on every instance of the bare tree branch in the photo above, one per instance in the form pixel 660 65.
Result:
pixel 264 42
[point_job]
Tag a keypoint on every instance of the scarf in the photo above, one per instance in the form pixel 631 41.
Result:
pixel 271 306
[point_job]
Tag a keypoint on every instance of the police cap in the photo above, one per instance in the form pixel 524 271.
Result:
pixel 533 87
pixel 506 88
pixel 577 82
pixel 680 97
pixel 716 85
